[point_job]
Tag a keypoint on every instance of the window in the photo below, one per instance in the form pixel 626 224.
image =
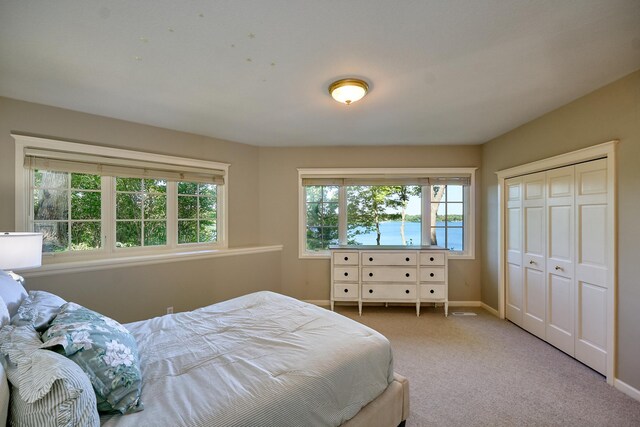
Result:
pixel 197 214
pixel 141 212
pixel 98 202
pixel 447 216
pixel 322 216
pixel 66 210
pixel 384 215
pixel 406 207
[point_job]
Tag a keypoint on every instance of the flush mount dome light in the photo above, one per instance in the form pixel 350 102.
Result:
pixel 348 90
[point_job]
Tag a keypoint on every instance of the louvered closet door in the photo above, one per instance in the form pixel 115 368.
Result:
pixel 560 257
pixel 591 264
pixel 513 218
pixel 534 289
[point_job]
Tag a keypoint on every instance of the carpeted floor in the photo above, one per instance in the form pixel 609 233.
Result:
pixel 483 371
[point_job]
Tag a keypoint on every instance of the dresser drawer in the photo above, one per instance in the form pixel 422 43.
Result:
pixel 345 258
pixel 391 292
pixel 345 291
pixel 427 258
pixel 385 258
pixel 432 274
pixel 432 292
pixel 389 274
pixel 345 274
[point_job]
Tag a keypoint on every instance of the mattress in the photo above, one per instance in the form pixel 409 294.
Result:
pixel 262 359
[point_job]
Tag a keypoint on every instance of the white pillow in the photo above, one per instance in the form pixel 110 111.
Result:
pixel 38 309
pixel 12 292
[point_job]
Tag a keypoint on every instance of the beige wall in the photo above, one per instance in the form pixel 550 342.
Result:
pixel 612 112
pixel 147 290
pixel 136 293
pixel 309 279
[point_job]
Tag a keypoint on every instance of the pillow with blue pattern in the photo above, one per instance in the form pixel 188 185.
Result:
pixel 105 350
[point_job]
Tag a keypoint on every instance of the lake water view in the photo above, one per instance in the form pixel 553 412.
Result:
pixel 390 234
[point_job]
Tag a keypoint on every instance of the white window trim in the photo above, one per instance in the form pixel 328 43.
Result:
pixel 470 207
pixel 22 201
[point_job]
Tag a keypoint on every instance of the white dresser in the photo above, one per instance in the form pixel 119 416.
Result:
pixel 389 274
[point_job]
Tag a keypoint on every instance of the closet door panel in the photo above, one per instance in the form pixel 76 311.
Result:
pixel 534 295
pixel 591 264
pixel 514 293
pixel 591 342
pixel 513 242
pixel 560 258
pixel 535 304
pixel 560 313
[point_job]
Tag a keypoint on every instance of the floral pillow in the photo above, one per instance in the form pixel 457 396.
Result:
pixel 39 308
pixel 105 350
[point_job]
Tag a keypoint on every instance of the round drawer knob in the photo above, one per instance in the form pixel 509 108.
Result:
pixel 432 291
pixel 346 258
pixel 370 274
pixel 346 274
pixel 370 258
pixel 346 291
pixel 407 259
pixel 431 259
pixel 370 291
pixel 431 274
pixel 407 274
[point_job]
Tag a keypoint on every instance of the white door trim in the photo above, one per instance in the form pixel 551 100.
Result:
pixel 605 150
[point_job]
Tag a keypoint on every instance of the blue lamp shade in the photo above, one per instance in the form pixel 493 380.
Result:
pixel 20 250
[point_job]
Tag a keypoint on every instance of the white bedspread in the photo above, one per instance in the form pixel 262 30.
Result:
pixel 258 360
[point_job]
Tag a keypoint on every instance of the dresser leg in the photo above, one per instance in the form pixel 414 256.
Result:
pixel 360 308
pixel 418 309
pixel 331 305
pixel 446 309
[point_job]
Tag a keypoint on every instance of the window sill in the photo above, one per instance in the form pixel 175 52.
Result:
pixel 327 255
pixel 129 261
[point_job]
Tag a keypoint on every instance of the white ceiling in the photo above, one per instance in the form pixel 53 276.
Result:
pixel 257 71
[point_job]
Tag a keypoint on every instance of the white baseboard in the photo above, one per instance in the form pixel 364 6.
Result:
pixel 627 389
pixel 490 309
pixel 464 303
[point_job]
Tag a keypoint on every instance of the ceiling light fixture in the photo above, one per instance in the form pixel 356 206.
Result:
pixel 348 91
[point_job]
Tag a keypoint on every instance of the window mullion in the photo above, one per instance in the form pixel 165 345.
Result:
pixel 342 215
pixel 69 245
pixel 105 217
pixel 426 215
pixel 172 214
pixel 446 216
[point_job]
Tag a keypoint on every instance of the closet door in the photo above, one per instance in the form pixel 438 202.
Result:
pixel 534 289
pixel 560 258
pixel 513 227
pixel 591 264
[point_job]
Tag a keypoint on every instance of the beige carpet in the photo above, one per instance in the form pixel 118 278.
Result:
pixel 481 371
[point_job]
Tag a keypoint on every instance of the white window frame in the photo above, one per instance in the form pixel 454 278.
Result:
pixel 469 206
pixel 23 202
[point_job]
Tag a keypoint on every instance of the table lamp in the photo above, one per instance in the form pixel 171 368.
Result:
pixel 20 251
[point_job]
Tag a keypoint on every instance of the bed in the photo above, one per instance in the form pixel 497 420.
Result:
pixel 264 359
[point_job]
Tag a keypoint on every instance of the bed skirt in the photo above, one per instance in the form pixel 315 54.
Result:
pixel 390 409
